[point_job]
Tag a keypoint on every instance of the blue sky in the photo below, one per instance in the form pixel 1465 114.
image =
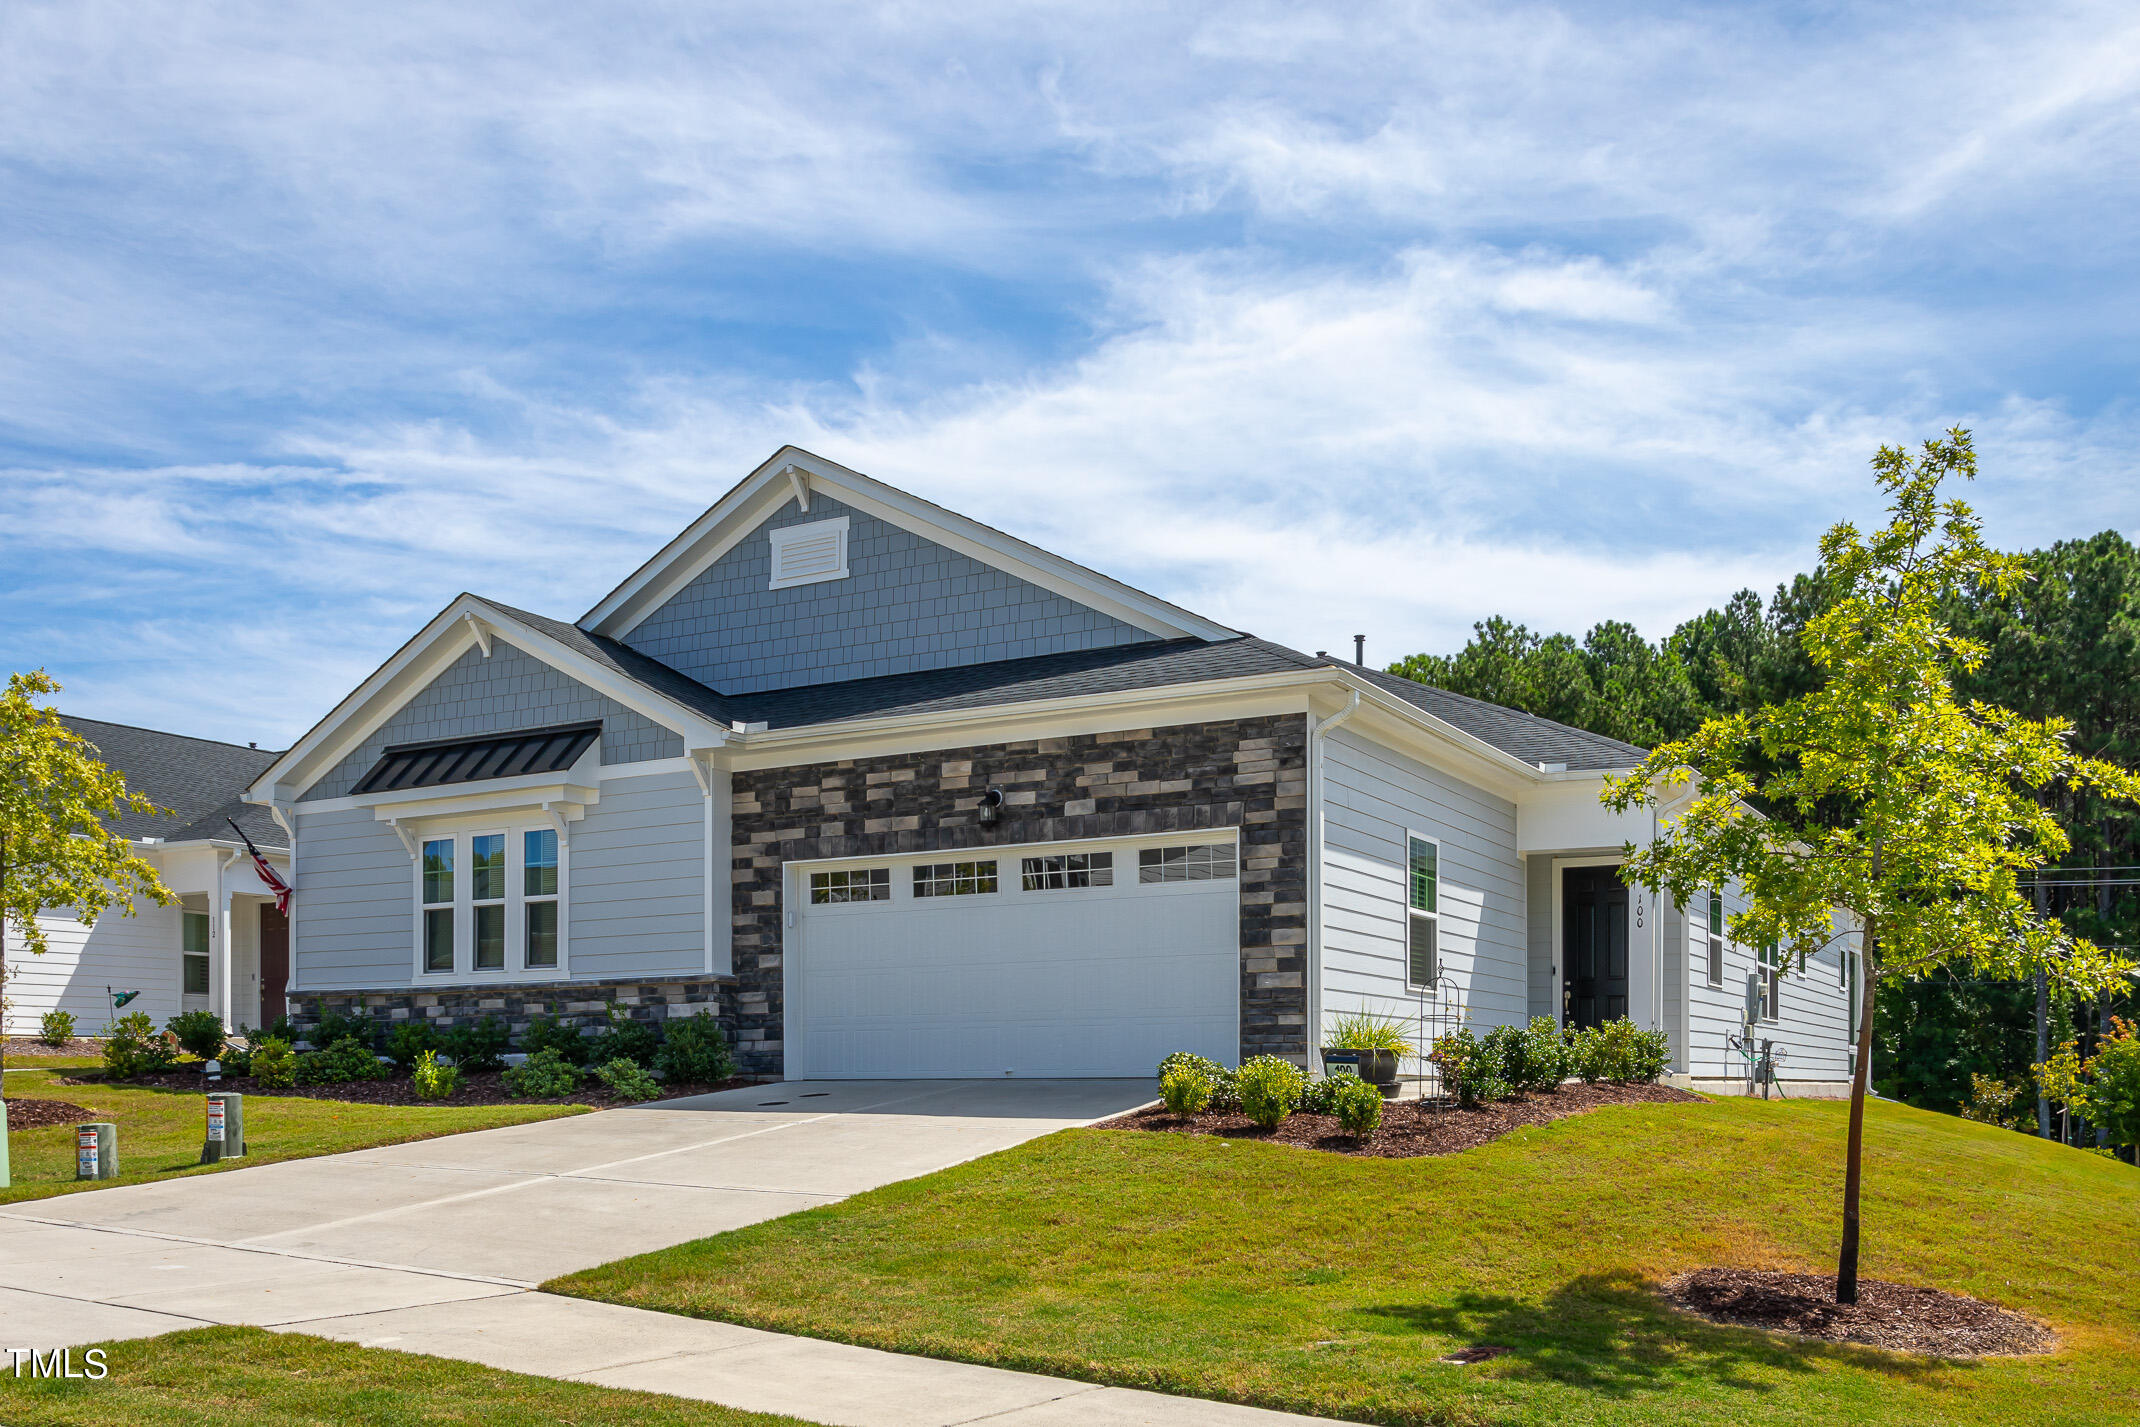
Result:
pixel 1375 319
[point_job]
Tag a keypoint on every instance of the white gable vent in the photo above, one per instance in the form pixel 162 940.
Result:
pixel 805 554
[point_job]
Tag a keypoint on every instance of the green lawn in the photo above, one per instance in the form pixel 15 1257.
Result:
pixel 1292 1279
pixel 247 1377
pixel 160 1131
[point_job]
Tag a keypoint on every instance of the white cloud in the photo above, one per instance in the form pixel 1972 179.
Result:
pixel 1375 319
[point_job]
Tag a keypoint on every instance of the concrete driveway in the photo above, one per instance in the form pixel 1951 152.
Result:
pixel 434 1247
pixel 512 1207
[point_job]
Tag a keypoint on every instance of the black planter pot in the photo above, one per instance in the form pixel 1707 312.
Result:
pixel 1377 1067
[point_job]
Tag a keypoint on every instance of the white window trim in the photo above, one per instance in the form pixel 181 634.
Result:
pixel 467 906
pixel 786 535
pixel 1412 913
pixel 515 900
pixel 206 958
pixel 1716 948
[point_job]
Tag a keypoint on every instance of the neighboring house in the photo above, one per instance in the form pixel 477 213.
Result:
pixel 896 794
pixel 224 948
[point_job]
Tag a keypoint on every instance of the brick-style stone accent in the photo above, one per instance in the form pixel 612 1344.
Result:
pixel 1245 773
pixel 580 1003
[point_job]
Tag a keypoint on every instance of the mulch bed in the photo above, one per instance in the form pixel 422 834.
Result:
pixel 29 1047
pixel 481 1087
pixel 1409 1128
pixel 1886 1315
pixel 36 1114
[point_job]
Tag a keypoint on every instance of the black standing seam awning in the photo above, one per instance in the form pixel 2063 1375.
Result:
pixel 469 760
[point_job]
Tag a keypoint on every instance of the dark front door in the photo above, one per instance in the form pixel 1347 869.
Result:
pixel 1594 956
pixel 274 962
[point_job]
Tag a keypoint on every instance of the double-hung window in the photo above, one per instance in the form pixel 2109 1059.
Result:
pixel 538 903
pixel 1853 968
pixel 193 934
pixel 438 903
pixel 491 902
pixel 1422 959
pixel 1716 938
pixel 1771 956
pixel 486 871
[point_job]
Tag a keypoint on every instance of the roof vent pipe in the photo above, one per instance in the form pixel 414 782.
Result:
pixel 1359 649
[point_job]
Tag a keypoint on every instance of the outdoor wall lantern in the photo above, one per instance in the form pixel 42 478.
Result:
pixel 991 805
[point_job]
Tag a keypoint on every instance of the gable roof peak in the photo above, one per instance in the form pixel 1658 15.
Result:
pixel 792 474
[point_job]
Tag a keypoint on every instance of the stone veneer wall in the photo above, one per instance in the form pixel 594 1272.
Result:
pixel 1246 773
pixel 580 1003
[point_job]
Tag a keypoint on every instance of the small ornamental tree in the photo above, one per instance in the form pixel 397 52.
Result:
pixel 57 800
pixel 1892 814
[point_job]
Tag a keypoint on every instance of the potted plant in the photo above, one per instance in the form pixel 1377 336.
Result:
pixel 1369 1042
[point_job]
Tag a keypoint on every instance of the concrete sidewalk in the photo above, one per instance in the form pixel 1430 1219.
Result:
pixel 434 1246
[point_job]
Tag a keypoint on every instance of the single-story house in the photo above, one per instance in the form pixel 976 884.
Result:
pixel 224 948
pixel 894 793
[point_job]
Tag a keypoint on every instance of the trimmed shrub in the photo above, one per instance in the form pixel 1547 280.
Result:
pixel 543 1076
pixel 346 1059
pixel 1269 1089
pixel 56 1029
pixel 280 1029
pixel 273 1064
pixel 1470 1068
pixel 1533 1058
pixel 1619 1052
pixel 198 1033
pixel 408 1042
pixel 1224 1096
pixel 695 1052
pixel 1186 1090
pixel 135 1047
pixel 237 1054
pixel 434 1079
pixel 333 1026
pixel 626 1039
pixel 479 1046
pixel 627 1079
pixel 549 1033
pixel 1358 1107
pixel 1321 1096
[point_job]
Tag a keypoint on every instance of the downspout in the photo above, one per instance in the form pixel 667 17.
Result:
pixel 1316 732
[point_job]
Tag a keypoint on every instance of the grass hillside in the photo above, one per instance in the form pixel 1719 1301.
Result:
pixel 1318 1283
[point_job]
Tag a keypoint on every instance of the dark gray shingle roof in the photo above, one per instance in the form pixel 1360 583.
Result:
pixel 1090 671
pixel 198 779
pixel 1010 681
pixel 1533 739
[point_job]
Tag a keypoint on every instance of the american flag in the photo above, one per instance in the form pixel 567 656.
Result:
pixel 268 876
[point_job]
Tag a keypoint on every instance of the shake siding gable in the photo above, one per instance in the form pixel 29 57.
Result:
pixel 1372 796
pixel 907 604
pixel 509 690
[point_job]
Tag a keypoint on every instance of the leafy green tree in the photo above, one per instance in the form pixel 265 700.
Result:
pixel 57 801
pixel 1893 806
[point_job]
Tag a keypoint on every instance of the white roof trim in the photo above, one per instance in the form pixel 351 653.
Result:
pixel 463 625
pixel 793 472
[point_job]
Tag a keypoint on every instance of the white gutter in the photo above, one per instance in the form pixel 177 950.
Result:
pixel 1316 732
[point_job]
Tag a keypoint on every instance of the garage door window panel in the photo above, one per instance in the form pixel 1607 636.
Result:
pixel 853 884
pixel 1067 871
pixel 1198 862
pixel 954 879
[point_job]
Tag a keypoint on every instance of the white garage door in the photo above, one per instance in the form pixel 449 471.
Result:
pixel 1059 959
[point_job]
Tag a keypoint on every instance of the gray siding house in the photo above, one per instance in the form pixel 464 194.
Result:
pixel 895 794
